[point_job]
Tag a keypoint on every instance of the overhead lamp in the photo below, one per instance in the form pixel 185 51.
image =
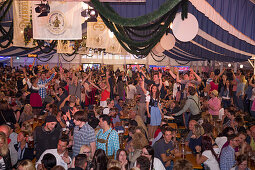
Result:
pixel 43 9
pixel 241 66
pixel 111 34
pixel 229 65
pixel 171 25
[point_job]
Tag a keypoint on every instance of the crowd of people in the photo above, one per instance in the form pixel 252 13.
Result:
pixel 137 119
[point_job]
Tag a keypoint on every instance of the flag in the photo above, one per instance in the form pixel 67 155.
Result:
pixel 63 22
pixel 22 11
pixel 97 34
pixel 64 46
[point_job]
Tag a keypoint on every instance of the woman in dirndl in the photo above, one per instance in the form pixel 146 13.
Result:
pixel 153 110
pixel 35 98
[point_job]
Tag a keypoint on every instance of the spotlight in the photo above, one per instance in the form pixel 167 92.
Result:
pixel 229 65
pixel 111 34
pixel 91 14
pixel 43 9
pixel 241 66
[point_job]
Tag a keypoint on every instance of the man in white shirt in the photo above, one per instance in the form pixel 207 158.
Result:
pixel 131 90
pixel 60 153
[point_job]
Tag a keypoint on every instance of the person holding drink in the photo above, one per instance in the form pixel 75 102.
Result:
pixel 164 148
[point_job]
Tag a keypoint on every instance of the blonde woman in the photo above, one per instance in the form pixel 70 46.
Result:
pixel 27 113
pixel 137 143
pixel 196 138
pixel 26 165
pixel 5 159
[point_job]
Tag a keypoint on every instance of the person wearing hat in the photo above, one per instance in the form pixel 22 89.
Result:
pixel 214 105
pixel 47 135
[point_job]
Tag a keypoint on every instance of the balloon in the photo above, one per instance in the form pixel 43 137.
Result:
pixel 158 49
pixel 185 30
pixel 167 41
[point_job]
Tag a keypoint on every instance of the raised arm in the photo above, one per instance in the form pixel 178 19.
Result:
pixel 172 74
pixel 234 76
pixel 250 82
pixel 63 103
pixel 107 81
pixel 83 81
pixel 52 76
pixel 160 81
pixel 177 76
pixel 197 76
pixel 218 76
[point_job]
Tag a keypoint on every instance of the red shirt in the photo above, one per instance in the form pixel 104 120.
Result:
pixel 213 86
pixel 105 95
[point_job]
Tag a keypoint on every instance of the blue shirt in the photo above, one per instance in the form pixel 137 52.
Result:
pixel 42 90
pixel 227 158
pixel 113 141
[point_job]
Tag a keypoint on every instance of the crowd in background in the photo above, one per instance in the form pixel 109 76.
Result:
pixel 98 119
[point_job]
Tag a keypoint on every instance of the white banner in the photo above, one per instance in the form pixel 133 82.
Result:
pixel 64 47
pixel 62 23
pixel 97 34
pixel 22 11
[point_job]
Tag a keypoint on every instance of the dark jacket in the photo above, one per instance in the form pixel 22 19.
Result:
pixel 46 140
pixel 76 168
pixel 7 161
pixel 28 152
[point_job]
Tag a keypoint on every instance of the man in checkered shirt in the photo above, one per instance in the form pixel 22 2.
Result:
pixel 83 133
pixel 44 81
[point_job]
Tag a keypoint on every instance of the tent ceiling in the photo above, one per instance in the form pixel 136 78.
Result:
pixel 214 41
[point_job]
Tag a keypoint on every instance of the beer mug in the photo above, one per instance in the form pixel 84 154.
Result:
pixel 30 142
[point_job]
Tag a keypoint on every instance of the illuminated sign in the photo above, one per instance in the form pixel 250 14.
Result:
pixel 32 55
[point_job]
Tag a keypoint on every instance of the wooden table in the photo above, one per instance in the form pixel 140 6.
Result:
pixel 192 159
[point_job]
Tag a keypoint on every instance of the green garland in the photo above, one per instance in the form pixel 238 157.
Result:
pixel 130 31
pixel 142 47
pixel 105 10
pixel 185 7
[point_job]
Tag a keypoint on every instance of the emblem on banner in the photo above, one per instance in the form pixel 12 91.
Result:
pixel 57 23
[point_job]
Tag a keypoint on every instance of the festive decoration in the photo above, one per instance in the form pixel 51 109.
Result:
pixel 28 33
pixel 185 30
pixel 132 33
pixel 167 41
